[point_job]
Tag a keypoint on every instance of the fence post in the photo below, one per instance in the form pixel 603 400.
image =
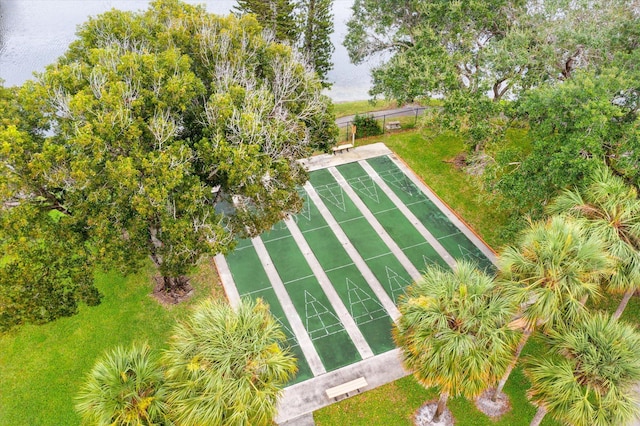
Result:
pixel 415 122
pixel 384 122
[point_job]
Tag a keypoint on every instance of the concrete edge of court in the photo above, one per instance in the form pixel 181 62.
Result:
pixel 363 152
pixel 304 398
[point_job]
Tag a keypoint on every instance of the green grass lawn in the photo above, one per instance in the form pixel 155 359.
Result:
pixel 396 403
pixel 42 367
pixel 343 109
pixel 431 159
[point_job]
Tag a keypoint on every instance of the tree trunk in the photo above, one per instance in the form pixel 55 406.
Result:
pixel 172 285
pixel 442 404
pixel 537 419
pixel 514 361
pixel 623 304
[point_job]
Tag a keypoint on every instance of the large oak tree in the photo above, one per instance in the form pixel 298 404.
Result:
pixel 167 134
pixel 477 53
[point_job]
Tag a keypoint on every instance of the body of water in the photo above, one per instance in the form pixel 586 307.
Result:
pixel 34 33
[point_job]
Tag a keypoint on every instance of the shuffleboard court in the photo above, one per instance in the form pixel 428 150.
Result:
pixel 312 305
pixel 448 234
pixel 365 308
pixel 334 273
pixel 381 260
pixel 252 281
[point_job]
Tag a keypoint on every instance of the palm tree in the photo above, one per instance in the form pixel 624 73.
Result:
pixel 453 332
pixel 590 376
pixel 610 209
pixel 123 388
pixel 226 366
pixel 551 273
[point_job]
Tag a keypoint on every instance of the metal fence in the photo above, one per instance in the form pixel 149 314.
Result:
pixel 382 118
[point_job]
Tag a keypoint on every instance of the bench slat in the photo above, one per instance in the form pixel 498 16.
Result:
pixel 342 147
pixel 347 387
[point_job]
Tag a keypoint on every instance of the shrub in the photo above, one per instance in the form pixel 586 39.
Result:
pixel 366 125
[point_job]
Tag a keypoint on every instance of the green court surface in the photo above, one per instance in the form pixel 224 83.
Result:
pixel 332 224
pixel 450 236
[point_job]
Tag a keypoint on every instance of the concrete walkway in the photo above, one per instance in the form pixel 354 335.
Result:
pixel 303 398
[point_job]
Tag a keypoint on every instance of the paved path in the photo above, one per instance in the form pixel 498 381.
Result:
pixel 405 111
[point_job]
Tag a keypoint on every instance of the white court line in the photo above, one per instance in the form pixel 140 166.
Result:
pixel 334 299
pixel 339 267
pixel 284 237
pixel 315 229
pixel 422 230
pixel 298 279
pixel 415 245
pixel 379 255
pixel 309 351
pixel 395 249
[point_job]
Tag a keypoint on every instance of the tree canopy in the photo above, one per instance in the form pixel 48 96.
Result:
pixel 316 28
pixel 454 331
pixel 278 16
pixel 226 366
pixel 307 24
pixel 588 376
pixel 166 133
pixel 477 53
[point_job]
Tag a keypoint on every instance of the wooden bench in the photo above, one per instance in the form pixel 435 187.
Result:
pixel 342 147
pixel 393 125
pixel 346 388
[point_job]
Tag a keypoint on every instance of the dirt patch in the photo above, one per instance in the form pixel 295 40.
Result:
pixel 493 409
pixel 173 296
pixel 424 416
pixel 459 161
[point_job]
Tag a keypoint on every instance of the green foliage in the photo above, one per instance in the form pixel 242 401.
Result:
pixel 589 377
pixel 156 149
pixel 454 331
pixel 476 53
pixel 555 266
pixel 226 366
pixel 316 29
pixel 123 388
pixel 44 269
pixel 609 209
pixel 574 127
pixel 306 24
pixel 366 125
pixel 275 15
